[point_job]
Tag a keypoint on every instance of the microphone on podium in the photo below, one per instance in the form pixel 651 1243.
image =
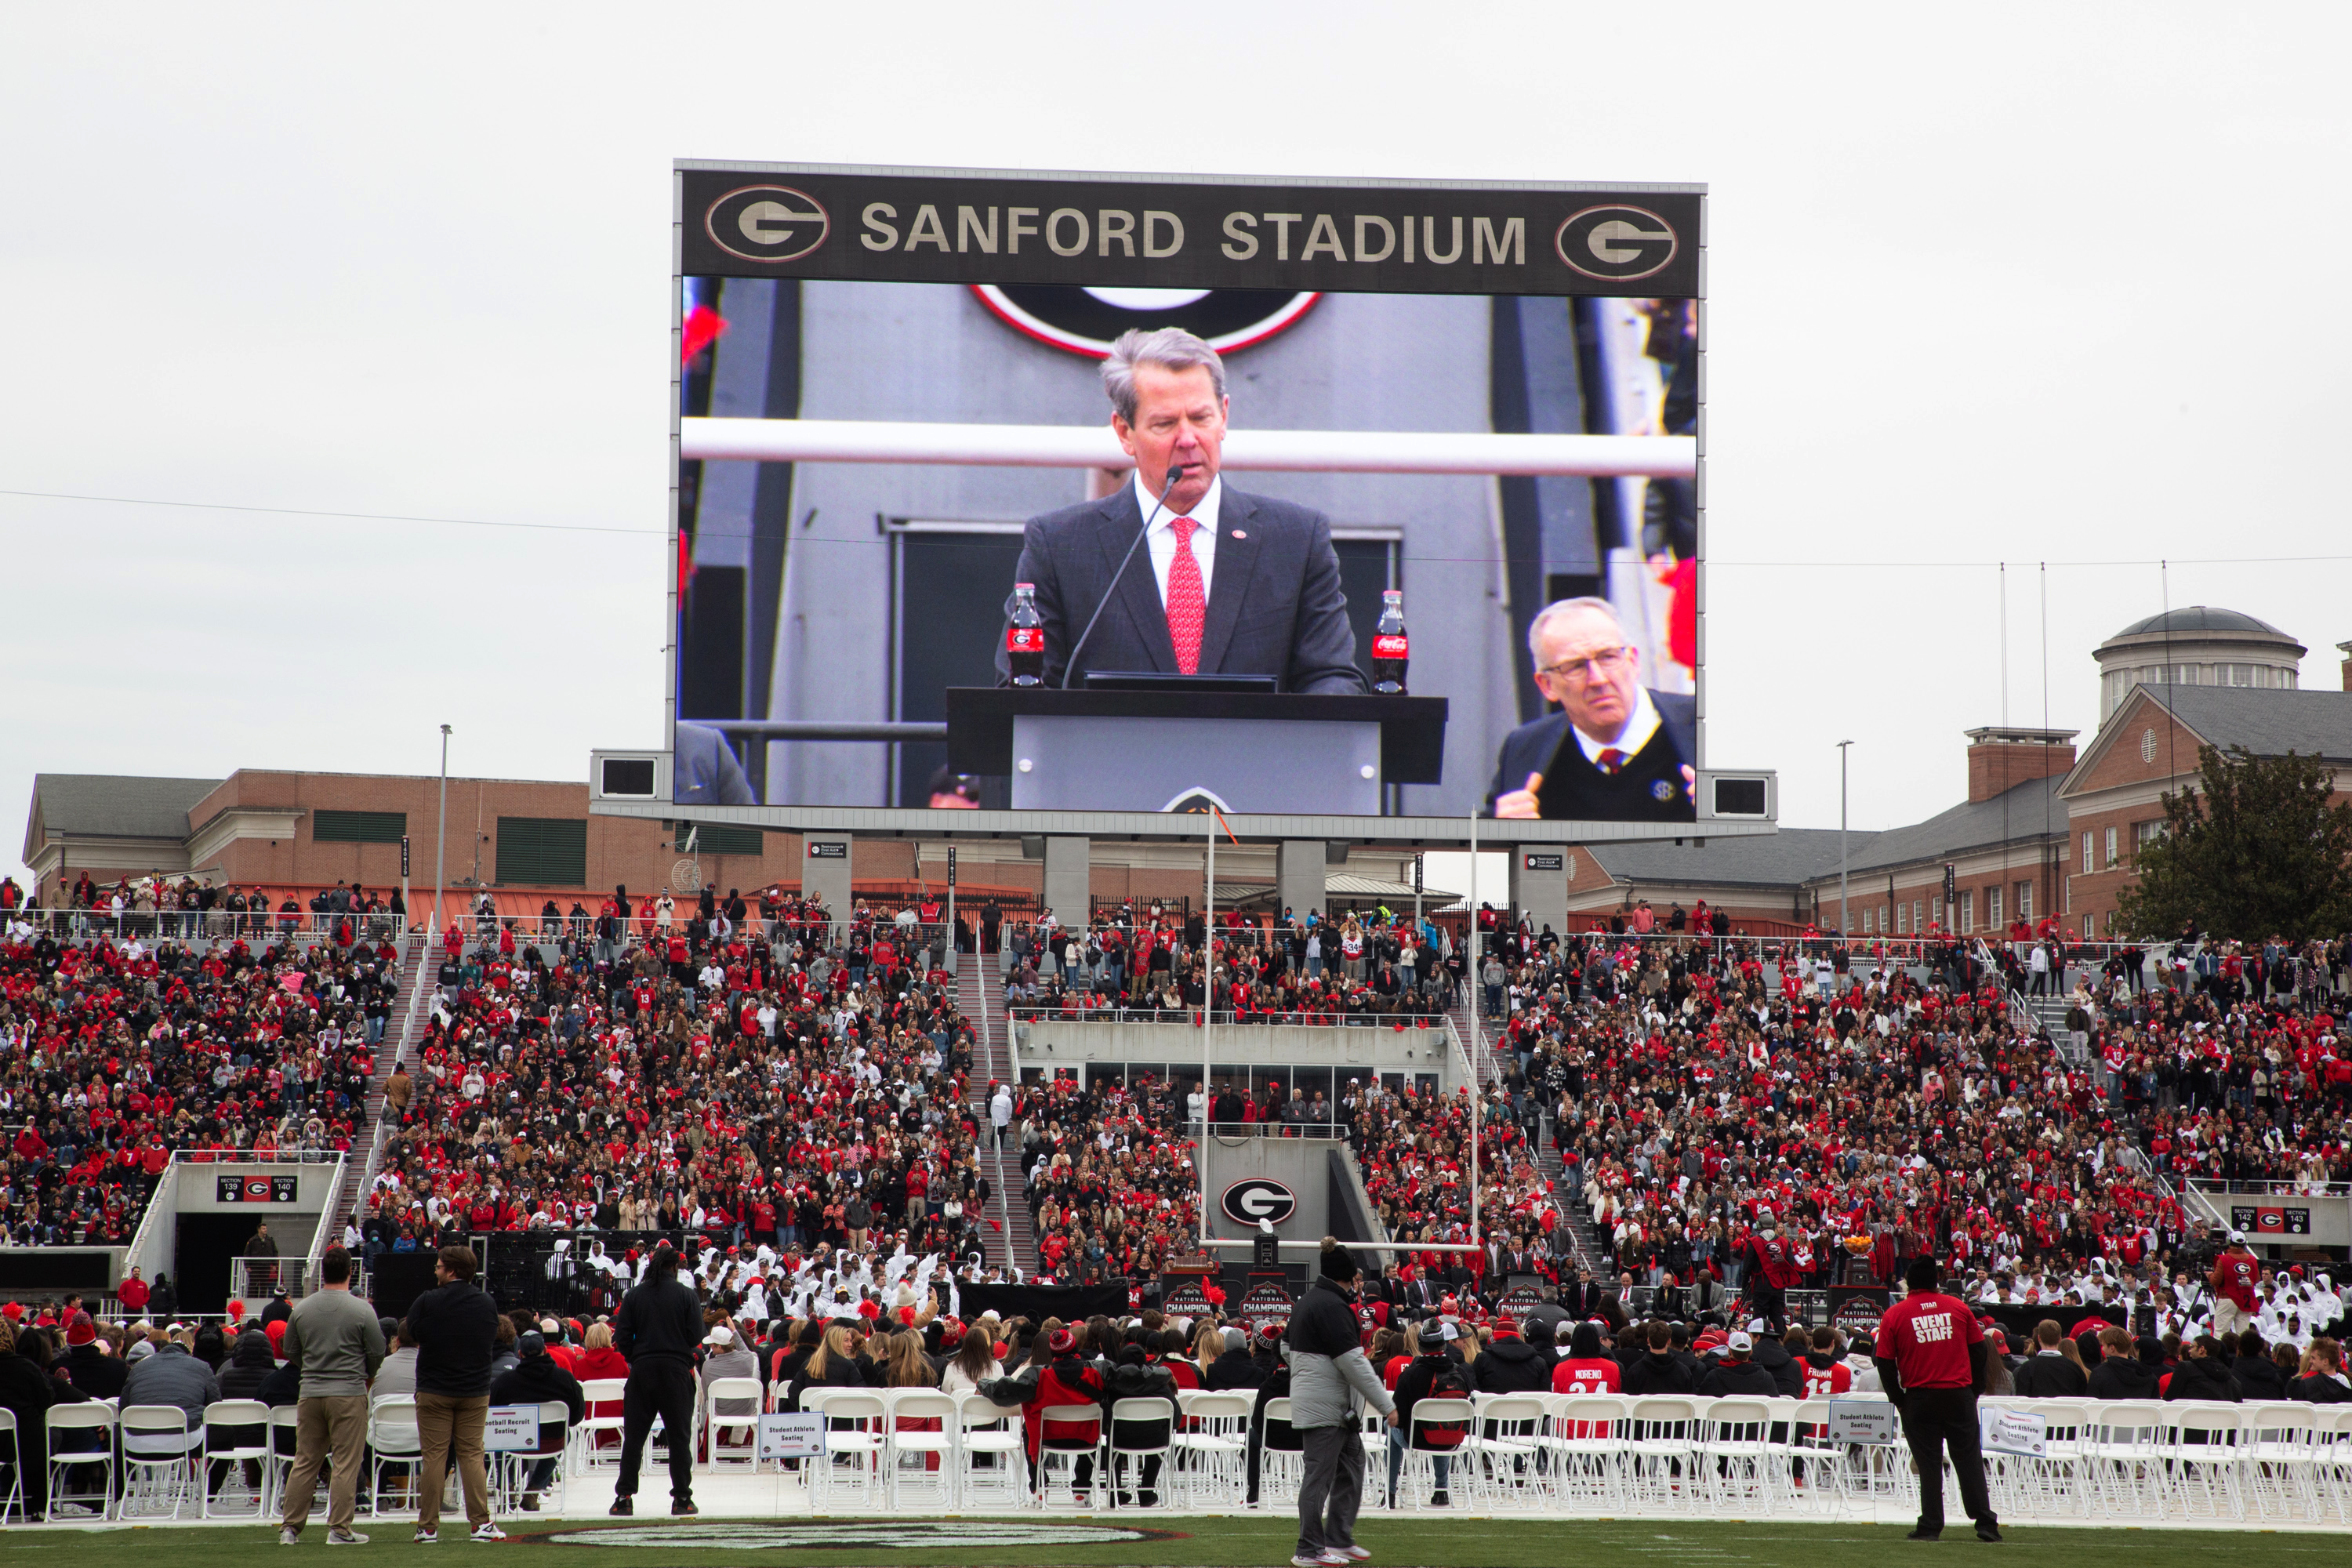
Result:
pixel 1070 665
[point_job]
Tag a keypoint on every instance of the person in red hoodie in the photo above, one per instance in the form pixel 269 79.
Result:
pixel 1058 1373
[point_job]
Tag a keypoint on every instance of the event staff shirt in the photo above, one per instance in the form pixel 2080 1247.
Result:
pixel 1928 1335
pixel 2240 1272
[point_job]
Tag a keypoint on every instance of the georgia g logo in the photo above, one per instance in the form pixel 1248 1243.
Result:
pixel 767 223
pixel 1616 244
pixel 1256 1198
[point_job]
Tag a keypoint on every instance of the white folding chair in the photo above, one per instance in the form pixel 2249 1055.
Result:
pixel 393 1443
pixel 1213 1447
pixel 991 1454
pixel 2207 1446
pixel 2121 1460
pixel 2281 1449
pixel 236 1434
pixel 284 1440
pixel 741 1398
pixel 602 1398
pixel 1505 1452
pixel 1585 1441
pixel 68 1425
pixel 1062 1451
pixel 919 1458
pixel 1661 1430
pixel 1801 1458
pixel 1141 1431
pixel 1281 1457
pixel 855 1434
pixel 160 1450
pixel 2331 1463
pixel 1440 1452
pixel 511 1469
pixel 12 1501
pixel 1734 1460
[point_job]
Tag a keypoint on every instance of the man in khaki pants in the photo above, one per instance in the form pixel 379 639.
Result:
pixel 456 1328
pixel 334 1340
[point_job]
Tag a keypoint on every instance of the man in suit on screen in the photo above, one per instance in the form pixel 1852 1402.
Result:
pixel 1225 583
pixel 1616 750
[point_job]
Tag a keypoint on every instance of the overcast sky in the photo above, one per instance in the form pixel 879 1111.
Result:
pixel 1987 283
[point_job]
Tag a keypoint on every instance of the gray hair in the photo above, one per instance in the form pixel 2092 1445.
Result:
pixel 1170 348
pixel 1559 607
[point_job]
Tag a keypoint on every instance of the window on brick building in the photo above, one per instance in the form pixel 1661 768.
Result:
pixel 1916 927
pixel 2025 900
pixel 2111 849
pixel 1992 908
pixel 2087 852
pixel 2145 834
pixel 1967 917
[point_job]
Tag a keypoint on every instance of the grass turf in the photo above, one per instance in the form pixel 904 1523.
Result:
pixel 1256 1542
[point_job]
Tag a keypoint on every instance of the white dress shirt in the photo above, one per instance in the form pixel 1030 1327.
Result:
pixel 1162 540
pixel 1640 725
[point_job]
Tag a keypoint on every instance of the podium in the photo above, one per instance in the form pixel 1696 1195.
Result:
pixel 1259 752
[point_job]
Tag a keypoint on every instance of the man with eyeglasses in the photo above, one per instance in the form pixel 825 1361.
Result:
pixel 1616 751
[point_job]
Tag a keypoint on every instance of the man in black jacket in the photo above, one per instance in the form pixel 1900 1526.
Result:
pixel 456 1328
pixel 1738 1375
pixel 2203 1374
pixel 535 1379
pixel 1509 1365
pixel 1233 1368
pixel 1659 1371
pixel 659 1324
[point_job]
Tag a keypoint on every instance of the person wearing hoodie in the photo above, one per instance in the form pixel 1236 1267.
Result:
pixel 2259 1377
pixel 1781 1357
pixel 1865 1367
pixel 1659 1371
pixel 1509 1365
pixel 1432 1373
pixel 1235 1368
pixel 248 1363
pixel 2127 1370
pixel 1329 1374
pixel 88 1364
pixel 2203 1374
pixel 1738 1375
pixel 536 1378
pixel 27 1389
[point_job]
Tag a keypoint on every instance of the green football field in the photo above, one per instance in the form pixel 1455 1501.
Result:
pixel 657 1543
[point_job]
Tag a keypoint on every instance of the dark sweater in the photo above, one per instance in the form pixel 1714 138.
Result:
pixel 1658 1372
pixel 2050 1377
pixel 660 1320
pixel 1739 1379
pixel 456 1328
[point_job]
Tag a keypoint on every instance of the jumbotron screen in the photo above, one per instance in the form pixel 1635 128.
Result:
pixel 1111 493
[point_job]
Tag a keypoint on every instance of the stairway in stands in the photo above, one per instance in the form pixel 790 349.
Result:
pixel 980 1001
pixel 410 1013
pixel 2049 1014
pixel 1580 1234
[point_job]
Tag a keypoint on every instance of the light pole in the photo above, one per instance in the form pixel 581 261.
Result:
pixel 1843 929
pixel 441 833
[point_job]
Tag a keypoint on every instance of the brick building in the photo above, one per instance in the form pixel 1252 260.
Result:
pixel 2043 829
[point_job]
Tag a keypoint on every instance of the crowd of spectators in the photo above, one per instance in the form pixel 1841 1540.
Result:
pixel 116 1050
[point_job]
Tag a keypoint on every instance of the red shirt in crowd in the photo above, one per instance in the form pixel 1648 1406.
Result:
pixel 1927 1335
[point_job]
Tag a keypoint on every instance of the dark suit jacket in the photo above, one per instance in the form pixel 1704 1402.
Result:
pixel 1275 603
pixel 1528 749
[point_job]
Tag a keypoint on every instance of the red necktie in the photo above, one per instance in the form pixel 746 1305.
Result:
pixel 1188 605
pixel 1609 761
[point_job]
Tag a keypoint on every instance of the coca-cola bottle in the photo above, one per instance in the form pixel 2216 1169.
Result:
pixel 1024 638
pixel 1389 646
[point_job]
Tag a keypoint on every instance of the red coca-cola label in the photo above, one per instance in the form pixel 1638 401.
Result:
pixel 1392 646
pixel 1024 639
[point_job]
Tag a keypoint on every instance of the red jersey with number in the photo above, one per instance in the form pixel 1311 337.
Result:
pixel 1928 1335
pixel 1826 1381
pixel 1599 1375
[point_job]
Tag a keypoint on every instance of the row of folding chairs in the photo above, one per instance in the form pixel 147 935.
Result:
pixel 2188 1460
pixel 105 1460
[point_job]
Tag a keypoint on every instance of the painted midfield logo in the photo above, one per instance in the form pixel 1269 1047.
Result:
pixel 894 1535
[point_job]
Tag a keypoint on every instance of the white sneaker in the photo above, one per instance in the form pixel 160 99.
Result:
pixel 1335 1557
pixel 425 1537
pixel 346 1537
pixel 1307 1560
pixel 1354 1553
pixel 489 1532
pixel 288 1536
